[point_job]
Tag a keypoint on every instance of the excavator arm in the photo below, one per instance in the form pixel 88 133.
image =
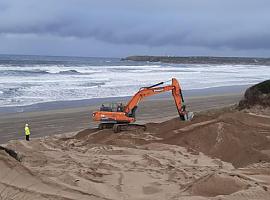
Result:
pixel 152 90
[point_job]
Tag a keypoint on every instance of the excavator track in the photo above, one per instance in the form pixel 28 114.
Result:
pixel 105 126
pixel 121 127
pixel 127 127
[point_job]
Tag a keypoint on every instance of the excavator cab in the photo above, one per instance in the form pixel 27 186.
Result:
pixel 105 108
pixel 112 107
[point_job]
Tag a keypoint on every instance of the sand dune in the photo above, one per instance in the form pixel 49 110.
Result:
pixel 221 154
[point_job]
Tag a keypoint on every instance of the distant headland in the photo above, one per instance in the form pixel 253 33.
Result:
pixel 200 60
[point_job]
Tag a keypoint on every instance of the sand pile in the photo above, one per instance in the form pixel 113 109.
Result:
pixel 69 168
pixel 132 139
pixel 218 184
pixel 19 182
pixel 235 137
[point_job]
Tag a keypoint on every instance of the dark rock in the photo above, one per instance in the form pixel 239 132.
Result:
pixel 258 94
pixel 200 60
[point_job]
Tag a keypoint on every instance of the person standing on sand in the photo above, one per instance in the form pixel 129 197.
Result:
pixel 27 132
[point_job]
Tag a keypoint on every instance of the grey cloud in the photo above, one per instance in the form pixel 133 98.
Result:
pixel 212 24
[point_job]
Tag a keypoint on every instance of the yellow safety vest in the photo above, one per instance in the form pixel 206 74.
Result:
pixel 27 131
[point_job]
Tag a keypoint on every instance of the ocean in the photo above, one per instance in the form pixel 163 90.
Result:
pixel 27 80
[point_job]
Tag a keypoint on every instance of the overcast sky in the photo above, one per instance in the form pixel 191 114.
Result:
pixel 118 28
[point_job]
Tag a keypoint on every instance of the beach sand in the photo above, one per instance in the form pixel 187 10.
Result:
pixel 221 154
pixel 59 121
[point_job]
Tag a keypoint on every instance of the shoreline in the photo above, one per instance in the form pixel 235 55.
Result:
pixel 69 104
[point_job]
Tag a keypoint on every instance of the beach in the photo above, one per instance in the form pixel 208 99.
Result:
pixel 134 100
pixel 221 154
pixel 49 120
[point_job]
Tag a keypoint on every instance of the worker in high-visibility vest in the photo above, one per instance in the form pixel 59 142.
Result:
pixel 27 132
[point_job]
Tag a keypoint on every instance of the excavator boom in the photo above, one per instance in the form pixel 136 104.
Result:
pixel 152 90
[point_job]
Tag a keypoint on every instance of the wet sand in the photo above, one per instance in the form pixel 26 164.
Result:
pixel 59 121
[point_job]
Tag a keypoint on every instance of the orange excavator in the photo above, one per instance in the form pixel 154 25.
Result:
pixel 120 117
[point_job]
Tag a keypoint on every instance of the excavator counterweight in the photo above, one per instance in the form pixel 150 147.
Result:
pixel 121 117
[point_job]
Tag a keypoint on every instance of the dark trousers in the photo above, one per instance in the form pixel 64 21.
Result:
pixel 27 137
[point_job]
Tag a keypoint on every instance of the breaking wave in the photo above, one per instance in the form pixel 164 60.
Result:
pixel 35 72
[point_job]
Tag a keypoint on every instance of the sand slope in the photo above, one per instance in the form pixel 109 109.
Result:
pixel 222 154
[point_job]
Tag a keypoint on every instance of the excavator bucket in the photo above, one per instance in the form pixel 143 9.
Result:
pixel 188 116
